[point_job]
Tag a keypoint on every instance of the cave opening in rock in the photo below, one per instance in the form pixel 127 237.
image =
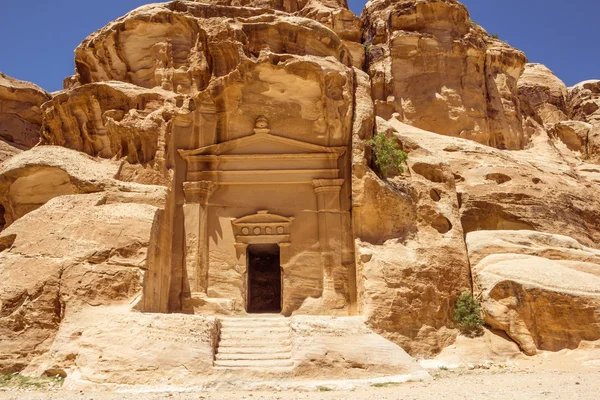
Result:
pixel 264 279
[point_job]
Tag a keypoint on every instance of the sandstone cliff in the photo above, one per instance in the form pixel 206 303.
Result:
pixel 20 115
pixel 499 195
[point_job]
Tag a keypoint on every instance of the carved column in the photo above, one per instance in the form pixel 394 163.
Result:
pixel 284 253
pixel 330 236
pixel 197 195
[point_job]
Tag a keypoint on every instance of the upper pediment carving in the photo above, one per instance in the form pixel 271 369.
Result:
pixel 262 141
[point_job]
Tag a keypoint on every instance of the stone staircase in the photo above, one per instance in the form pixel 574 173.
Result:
pixel 261 343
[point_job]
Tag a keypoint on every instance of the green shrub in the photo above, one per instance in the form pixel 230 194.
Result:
pixel 16 380
pixel 495 36
pixel 368 46
pixel 467 315
pixel 385 384
pixel 388 157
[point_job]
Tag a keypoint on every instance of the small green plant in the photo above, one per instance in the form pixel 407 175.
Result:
pixel 324 389
pixel 385 384
pixel 368 46
pixel 443 368
pixel 467 315
pixel 19 381
pixel 495 36
pixel 388 157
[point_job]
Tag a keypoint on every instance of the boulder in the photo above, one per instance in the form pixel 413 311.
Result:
pixel 542 289
pixel 574 134
pixel 544 93
pixel 584 105
pixel 584 102
pixel 20 115
pixel 63 265
pixel 30 179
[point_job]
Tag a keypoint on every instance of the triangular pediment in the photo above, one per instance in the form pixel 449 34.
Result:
pixel 261 143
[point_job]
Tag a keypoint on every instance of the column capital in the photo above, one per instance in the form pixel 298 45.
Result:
pixel 199 192
pixel 327 185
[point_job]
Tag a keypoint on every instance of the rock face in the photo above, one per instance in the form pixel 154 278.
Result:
pixel 408 289
pixel 440 72
pixel 585 107
pixel 30 179
pixel 544 93
pixel 20 115
pixel 109 119
pixel 198 140
pixel 62 265
pixel 541 289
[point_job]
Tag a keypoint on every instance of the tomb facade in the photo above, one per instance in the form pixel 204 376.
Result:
pixel 267 226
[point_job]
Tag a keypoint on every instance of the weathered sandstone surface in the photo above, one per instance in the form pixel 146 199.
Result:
pixel 111 217
pixel 544 93
pixel 584 99
pixel 20 115
pixel 542 289
pixel 62 265
pixel 110 119
pixel 440 72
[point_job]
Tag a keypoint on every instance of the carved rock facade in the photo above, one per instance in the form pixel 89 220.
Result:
pixel 220 152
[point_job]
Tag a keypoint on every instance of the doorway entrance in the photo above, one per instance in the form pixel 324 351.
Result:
pixel 264 279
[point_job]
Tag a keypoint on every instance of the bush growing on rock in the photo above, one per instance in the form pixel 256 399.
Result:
pixel 467 314
pixel 388 157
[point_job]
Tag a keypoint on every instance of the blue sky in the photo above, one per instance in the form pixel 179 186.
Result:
pixel 37 37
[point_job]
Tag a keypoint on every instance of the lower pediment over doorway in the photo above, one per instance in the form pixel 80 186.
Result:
pixel 262 227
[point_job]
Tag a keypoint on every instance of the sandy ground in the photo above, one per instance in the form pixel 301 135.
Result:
pixel 494 383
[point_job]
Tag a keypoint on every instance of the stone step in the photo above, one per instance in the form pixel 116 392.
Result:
pixel 257 333
pixel 253 363
pixel 253 350
pixel 252 323
pixel 264 342
pixel 269 370
pixel 253 331
pixel 254 356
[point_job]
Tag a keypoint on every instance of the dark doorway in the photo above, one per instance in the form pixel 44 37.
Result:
pixel 264 279
pixel 2 220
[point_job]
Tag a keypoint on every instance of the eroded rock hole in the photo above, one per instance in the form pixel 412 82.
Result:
pixel 54 372
pixel 264 279
pixel 458 178
pixel 498 178
pixel 451 149
pixel 432 173
pixel 441 224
